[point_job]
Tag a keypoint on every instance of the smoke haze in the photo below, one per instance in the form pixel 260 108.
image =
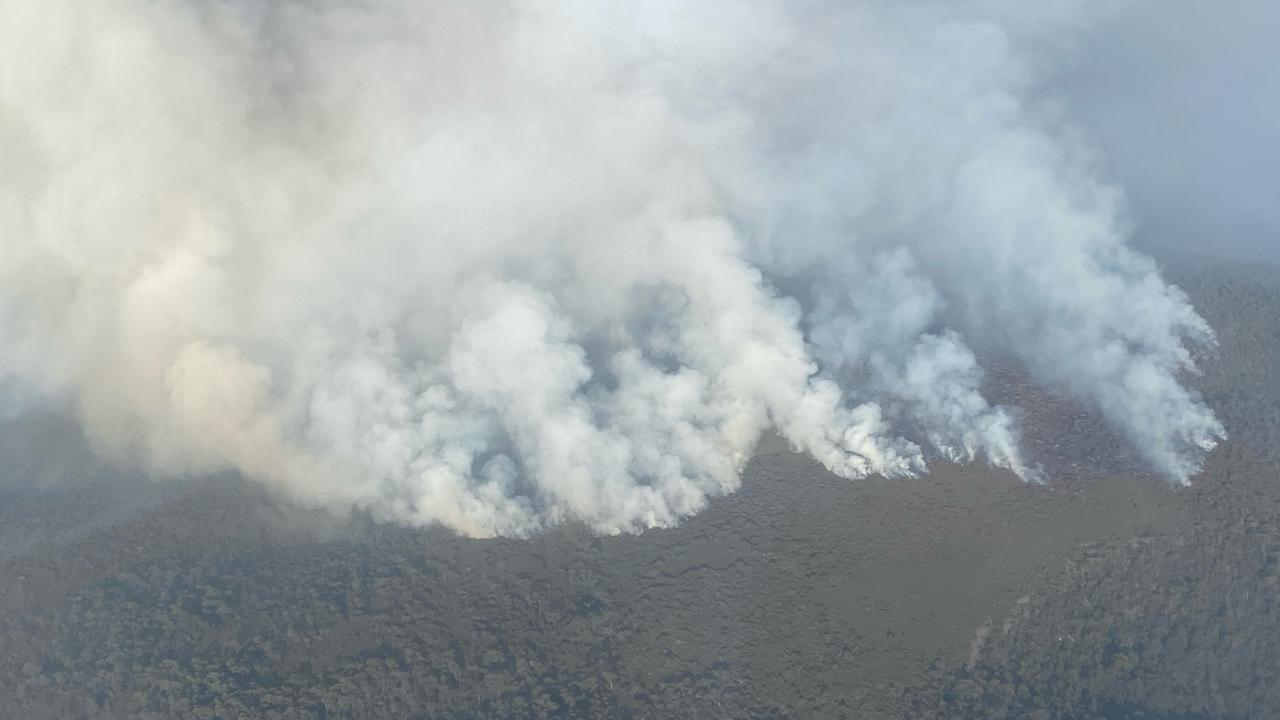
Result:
pixel 499 265
pixel 1184 98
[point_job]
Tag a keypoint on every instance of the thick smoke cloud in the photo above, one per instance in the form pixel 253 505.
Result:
pixel 498 265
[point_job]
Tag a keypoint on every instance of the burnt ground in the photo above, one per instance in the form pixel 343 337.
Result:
pixel 963 594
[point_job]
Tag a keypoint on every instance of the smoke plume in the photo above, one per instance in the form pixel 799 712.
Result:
pixel 502 264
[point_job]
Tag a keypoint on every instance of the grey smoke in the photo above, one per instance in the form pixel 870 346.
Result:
pixel 498 265
pixel 1184 98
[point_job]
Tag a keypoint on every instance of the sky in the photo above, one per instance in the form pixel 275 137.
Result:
pixel 1183 99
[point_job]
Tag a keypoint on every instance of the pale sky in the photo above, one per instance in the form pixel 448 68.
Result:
pixel 1183 96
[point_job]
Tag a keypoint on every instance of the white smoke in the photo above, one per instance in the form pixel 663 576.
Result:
pixel 506 263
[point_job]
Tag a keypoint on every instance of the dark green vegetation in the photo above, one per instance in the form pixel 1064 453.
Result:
pixel 960 595
pixel 1179 626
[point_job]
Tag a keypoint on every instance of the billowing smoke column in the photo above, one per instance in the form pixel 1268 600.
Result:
pixel 502 264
